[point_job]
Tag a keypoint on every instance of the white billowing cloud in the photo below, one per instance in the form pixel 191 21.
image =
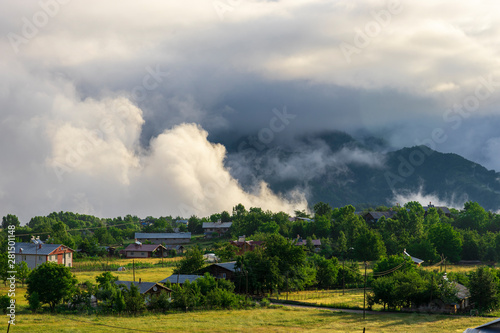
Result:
pixel 455 201
pixel 84 156
pixel 190 169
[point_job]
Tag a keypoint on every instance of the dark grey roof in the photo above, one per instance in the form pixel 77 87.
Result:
pixel 144 287
pixel 143 247
pixel 182 278
pixel 165 235
pixel 378 215
pixel 445 210
pixel 491 327
pixel 230 266
pixel 30 248
pixel 217 224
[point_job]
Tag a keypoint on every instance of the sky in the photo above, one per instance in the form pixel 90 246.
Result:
pixel 125 107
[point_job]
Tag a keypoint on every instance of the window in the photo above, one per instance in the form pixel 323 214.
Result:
pixel 131 253
pixel 223 275
pixel 142 253
pixel 40 257
pixel 24 258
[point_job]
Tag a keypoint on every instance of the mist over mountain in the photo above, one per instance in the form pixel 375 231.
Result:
pixel 336 168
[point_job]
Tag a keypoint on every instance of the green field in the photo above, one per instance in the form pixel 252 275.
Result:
pixel 275 319
pixel 260 320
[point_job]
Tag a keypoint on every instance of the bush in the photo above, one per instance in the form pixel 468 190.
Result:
pixel 222 299
pixel 34 302
pixel 265 302
pixel 4 302
pixel 159 303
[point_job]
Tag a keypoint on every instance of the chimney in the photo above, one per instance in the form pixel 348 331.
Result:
pixel 20 250
pixel 39 245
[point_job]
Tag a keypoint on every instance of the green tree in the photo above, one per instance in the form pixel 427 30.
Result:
pixel 326 271
pixel 34 302
pixel 225 217
pixel 192 262
pixel 134 302
pixel 389 263
pixel 10 220
pixel 342 245
pixel 52 282
pixel 23 271
pixel 446 240
pixel 483 287
pixel 4 302
pixel 195 226
pixel 473 217
pixel 423 249
pixel 369 246
pixel 159 303
pixel 432 217
pixel 322 209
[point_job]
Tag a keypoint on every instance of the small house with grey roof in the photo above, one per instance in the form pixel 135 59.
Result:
pixel 37 252
pixel 209 228
pixel 145 288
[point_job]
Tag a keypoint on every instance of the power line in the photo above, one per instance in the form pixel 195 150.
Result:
pixel 81 229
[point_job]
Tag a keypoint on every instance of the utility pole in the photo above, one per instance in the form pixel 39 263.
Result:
pixel 364 295
pixel 246 275
pixel 133 268
pixel 432 287
pixel 287 285
pixel 343 276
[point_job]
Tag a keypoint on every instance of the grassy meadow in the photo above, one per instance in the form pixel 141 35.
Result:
pixel 351 298
pixel 280 319
pixel 274 319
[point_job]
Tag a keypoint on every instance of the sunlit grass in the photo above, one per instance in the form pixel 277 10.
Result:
pixel 145 274
pixel 260 320
pixel 351 298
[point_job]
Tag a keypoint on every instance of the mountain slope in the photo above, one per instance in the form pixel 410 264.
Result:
pixel 337 169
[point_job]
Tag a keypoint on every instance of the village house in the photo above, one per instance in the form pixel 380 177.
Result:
pixel 220 228
pixel 146 288
pixel 446 211
pixel 439 306
pixel 244 245
pixel 174 249
pixel 374 217
pixel 139 250
pixel 225 270
pixel 185 222
pixel 315 242
pixel 37 252
pixel 164 238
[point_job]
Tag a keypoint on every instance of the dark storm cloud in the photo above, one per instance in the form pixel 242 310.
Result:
pixel 122 83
